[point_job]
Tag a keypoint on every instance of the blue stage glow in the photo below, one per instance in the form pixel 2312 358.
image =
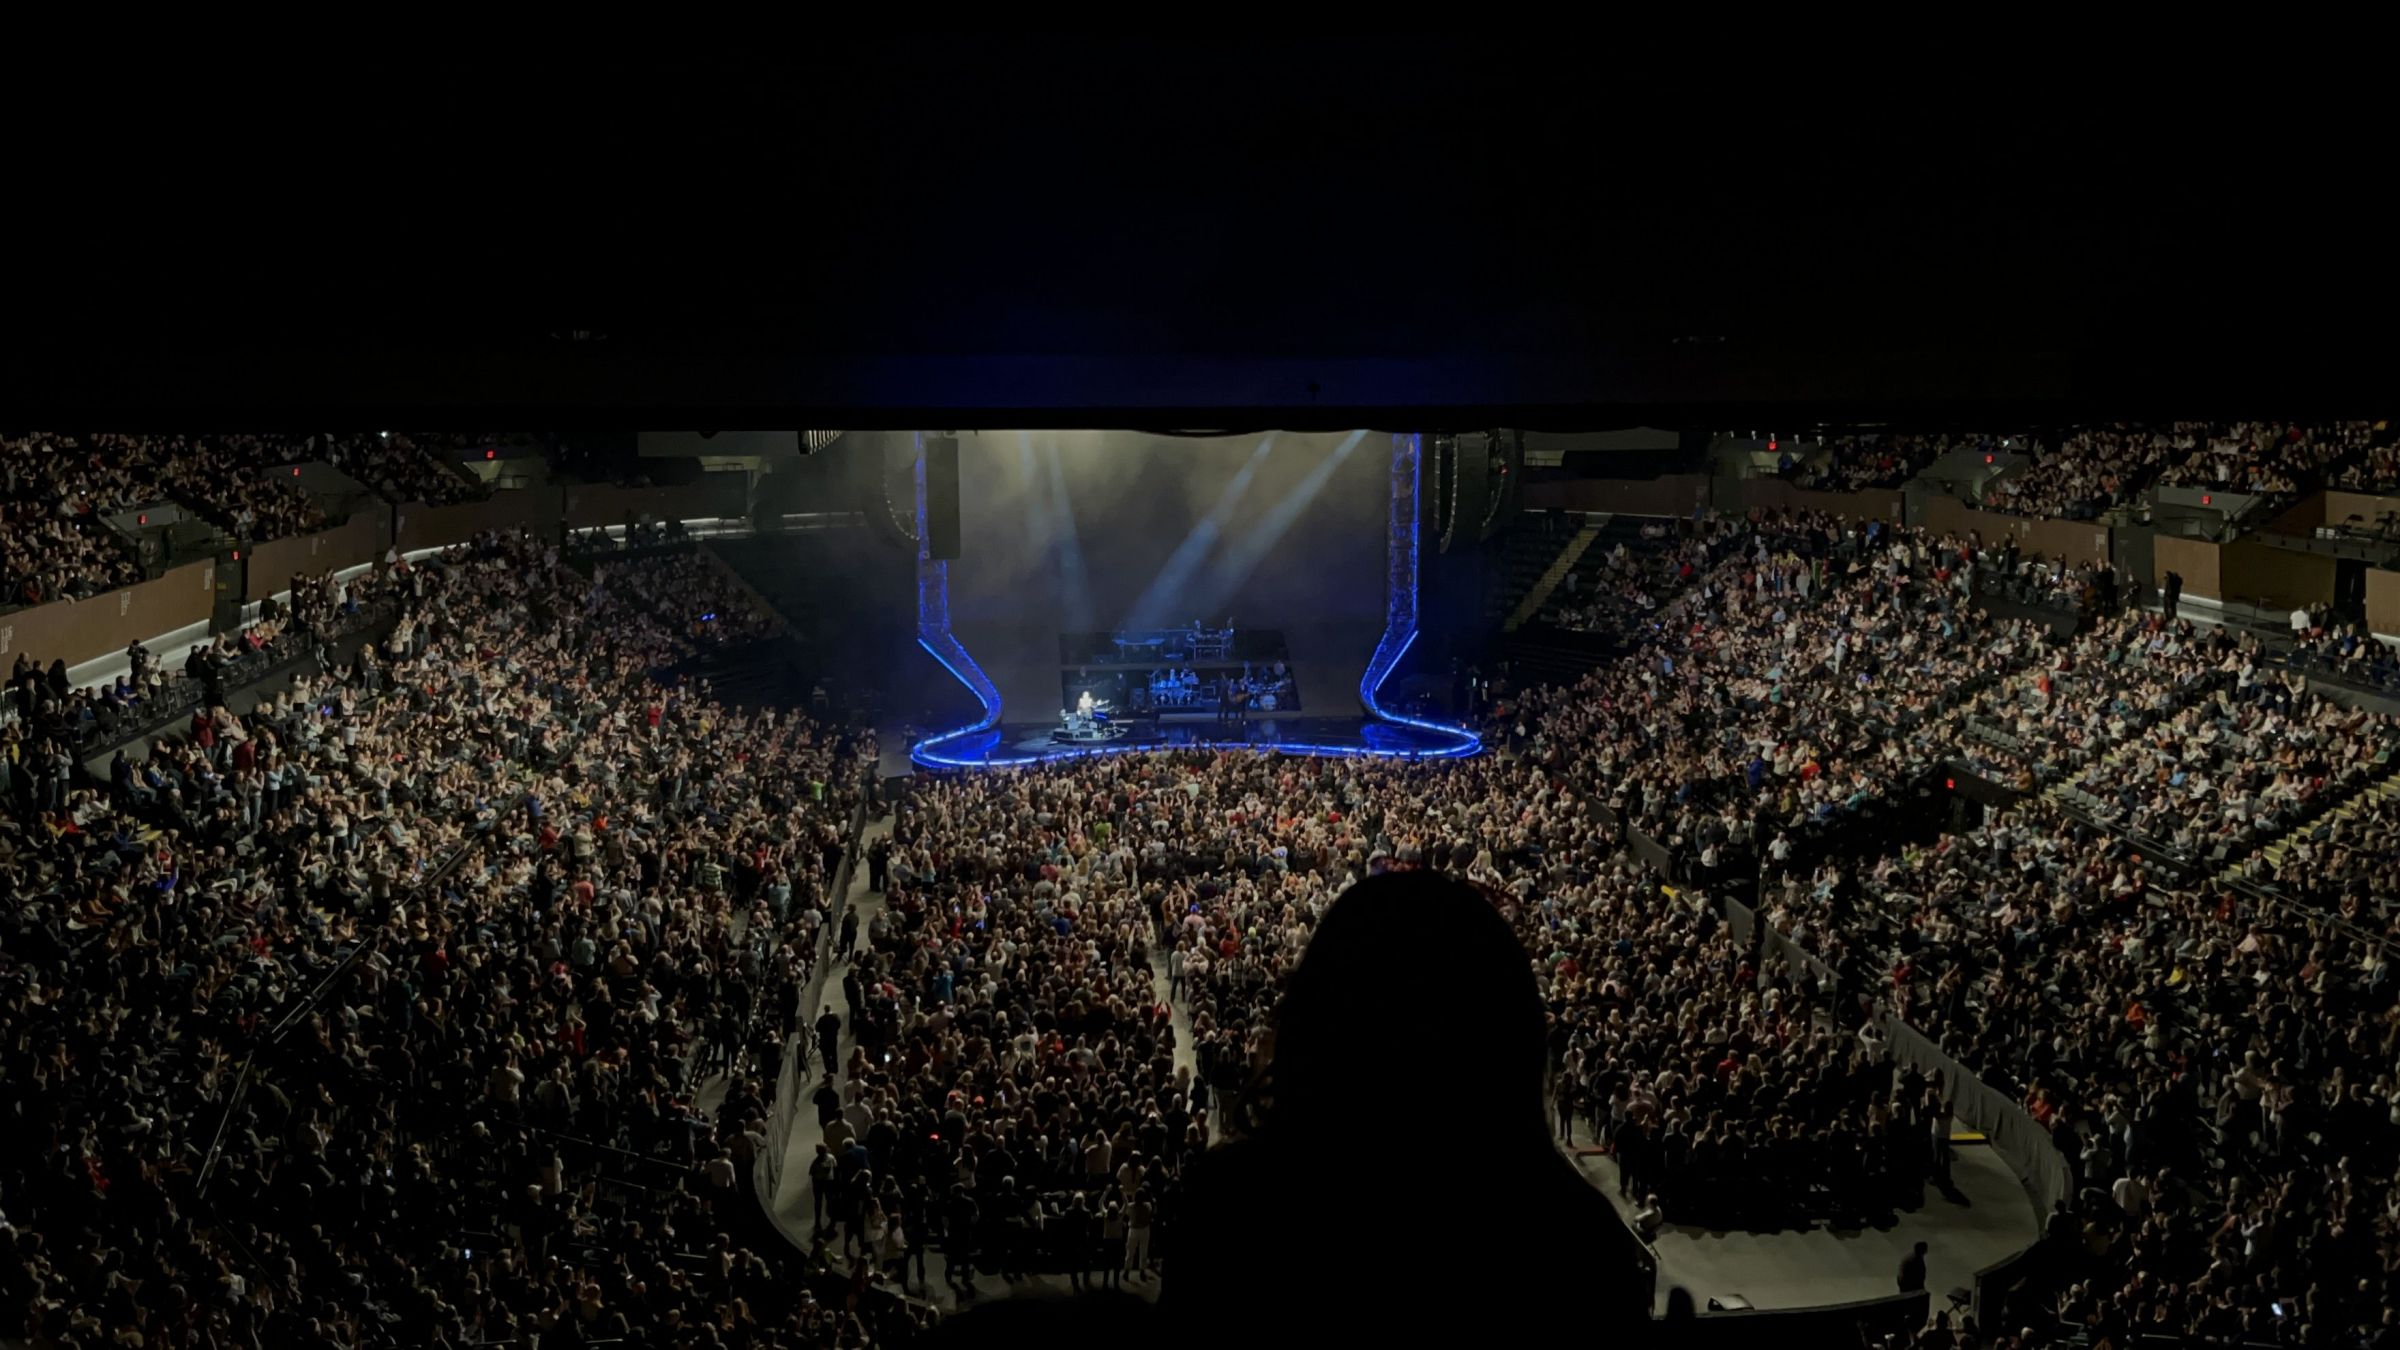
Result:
pixel 949 749
pixel 926 756
pixel 933 622
pixel 1400 594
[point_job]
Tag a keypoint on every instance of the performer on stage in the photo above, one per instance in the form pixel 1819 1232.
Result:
pixel 1083 705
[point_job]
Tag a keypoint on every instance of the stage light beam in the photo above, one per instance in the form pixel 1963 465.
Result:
pixel 1245 554
pixel 1075 592
pixel 1160 603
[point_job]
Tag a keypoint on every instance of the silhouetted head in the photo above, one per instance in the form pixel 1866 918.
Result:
pixel 1409 975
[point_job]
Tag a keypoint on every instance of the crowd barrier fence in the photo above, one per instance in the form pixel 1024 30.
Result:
pixel 2012 1133
pixel 2009 1131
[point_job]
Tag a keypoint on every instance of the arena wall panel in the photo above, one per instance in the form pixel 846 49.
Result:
pixel 2197 560
pixel 2340 506
pixel 2252 570
pixel 2074 540
pixel 2383 601
pixel 1776 494
pixel 361 539
pixel 712 494
pixel 2300 517
pixel 76 631
pixel 1667 495
pixel 417 525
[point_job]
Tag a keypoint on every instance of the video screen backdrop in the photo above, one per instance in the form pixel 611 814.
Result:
pixel 1073 531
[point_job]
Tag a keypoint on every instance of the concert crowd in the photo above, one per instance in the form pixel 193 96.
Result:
pixel 383 1012
pixel 444 950
pixel 56 487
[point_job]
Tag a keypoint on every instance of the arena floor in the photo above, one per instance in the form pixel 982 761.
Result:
pixel 1988 1219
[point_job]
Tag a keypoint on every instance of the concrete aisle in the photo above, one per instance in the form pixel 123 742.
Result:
pixel 1990 1219
pixel 712 1088
pixel 793 1201
pixel 1186 1051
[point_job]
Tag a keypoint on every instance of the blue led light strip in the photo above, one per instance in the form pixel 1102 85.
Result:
pixel 1399 634
pixel 1460 745
pixel 1400 594
pixel 933 628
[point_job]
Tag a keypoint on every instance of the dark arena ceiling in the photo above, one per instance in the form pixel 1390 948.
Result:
pixel 1124 232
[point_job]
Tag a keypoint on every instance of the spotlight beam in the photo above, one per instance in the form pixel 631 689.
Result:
pixel 1246 553
pixel 1076 599
pixel 1159 597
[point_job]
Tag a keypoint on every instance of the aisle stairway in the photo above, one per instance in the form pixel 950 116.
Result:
pixel 1537 595
pixel 2265 860
pixel 2226 862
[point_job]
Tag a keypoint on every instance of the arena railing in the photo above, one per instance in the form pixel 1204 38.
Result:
pixel 1864 1321
pixel 288 652
pixel 766 1173
pixel 615 541
pixel 2011 1132
pixel 1995 1114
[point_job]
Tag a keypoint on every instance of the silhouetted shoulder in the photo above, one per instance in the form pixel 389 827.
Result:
pixel 1402 1181
pixel 1440 1239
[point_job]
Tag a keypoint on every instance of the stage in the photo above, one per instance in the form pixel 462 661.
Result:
pixel 1287 538
pixel 1018 744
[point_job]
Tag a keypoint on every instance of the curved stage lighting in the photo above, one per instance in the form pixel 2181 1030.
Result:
pixel 1351 738
pixel 984 743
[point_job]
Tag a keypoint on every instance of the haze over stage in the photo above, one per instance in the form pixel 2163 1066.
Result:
pixel 1099 531
pixel 1142 650
pixel 1297 525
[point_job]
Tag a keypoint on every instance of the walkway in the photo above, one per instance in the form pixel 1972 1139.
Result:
pixel 792 1201
pixel 1989 1219
pixel 1186 1053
